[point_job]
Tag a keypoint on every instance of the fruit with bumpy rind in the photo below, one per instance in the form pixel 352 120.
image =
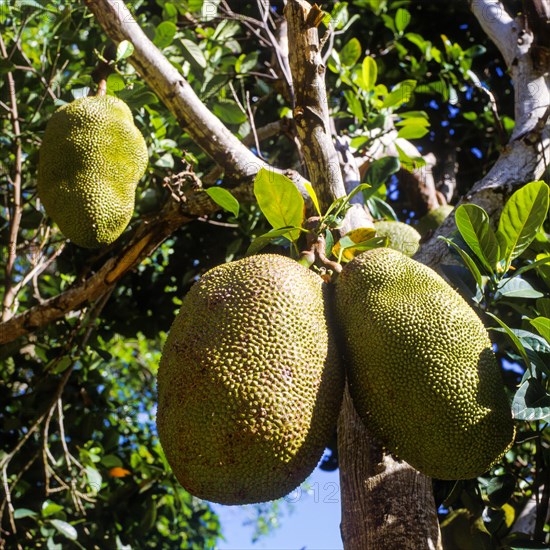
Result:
pixel 421 369
pixel 91 159
pixel 250 382
pixel 401 237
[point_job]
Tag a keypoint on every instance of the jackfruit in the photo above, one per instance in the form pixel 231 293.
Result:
pixel 250 383
pixel 91 159
pixel 401 237
pixel 433 219
pixel 421 369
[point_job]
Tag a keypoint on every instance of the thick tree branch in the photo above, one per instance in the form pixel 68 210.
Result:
pixel 497 24
pixel 527 155
pixel 148 235
pixel 208 132
pixel 311 111
pixel 205 128
pixel 385 504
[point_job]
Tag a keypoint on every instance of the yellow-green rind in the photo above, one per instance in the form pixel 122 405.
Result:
pixel 421 369
pixel 250 383
pixel 401 237
pixel 433 219
pixel 91 158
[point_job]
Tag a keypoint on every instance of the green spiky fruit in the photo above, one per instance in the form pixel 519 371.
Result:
pixel 91 159
pixel 434 218
pixel 421 368
pixel 249 384
pixel 401 237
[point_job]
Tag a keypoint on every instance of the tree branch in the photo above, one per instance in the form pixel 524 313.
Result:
pixel 148 235
pixel 497 24
pixel 208 132
pixel 527 155
pixel 17 210
pixel 385 504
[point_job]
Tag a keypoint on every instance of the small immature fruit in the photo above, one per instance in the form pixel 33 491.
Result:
pixel 401 237
pixel 250 382
pixel 422 372
pixel 434 218
pixel 91 159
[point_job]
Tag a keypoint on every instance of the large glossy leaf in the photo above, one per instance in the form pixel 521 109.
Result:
pixel 521 217
pixel 517 288
pixel 279 200
pixel 473 224
pixel 542 324
pixel 531 402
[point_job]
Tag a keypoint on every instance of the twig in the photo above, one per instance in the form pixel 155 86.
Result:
pixel 15 218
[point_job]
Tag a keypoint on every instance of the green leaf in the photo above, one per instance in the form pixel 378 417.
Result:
pixel 124 49
pixel 21 513
pixel 193 53
pixel 500 489
pixel 94 479
pixel 516 288
pixel 279 200
pixel 402 19
pixel 311 192
pixel 412 132
pixel 523 214
pixel 379 171
pixel 222 197
pixel 66 529
pixel 246 62
pixel 111 461
pixel 263 240
pixel 473 224
pixel 370 73
pixel 468 262
pixel 354 105
pixel 351 52
pixel 115 83
pixel 164 34
pixel 401 93
pixel 542 324
pixel 49 508
pixel 531 402
pixel 381 209
pixel 228 111
pixel 515 340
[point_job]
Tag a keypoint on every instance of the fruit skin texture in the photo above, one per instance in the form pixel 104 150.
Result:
pixel 433 219
pixel 250 382
pixel 91 159
pixel 421 369
pixel 401 237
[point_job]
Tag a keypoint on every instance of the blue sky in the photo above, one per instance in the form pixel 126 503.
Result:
pixel 311 523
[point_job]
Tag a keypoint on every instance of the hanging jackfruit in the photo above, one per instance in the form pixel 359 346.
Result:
pixel 249 383
pixel 422 372
pixel 91 159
